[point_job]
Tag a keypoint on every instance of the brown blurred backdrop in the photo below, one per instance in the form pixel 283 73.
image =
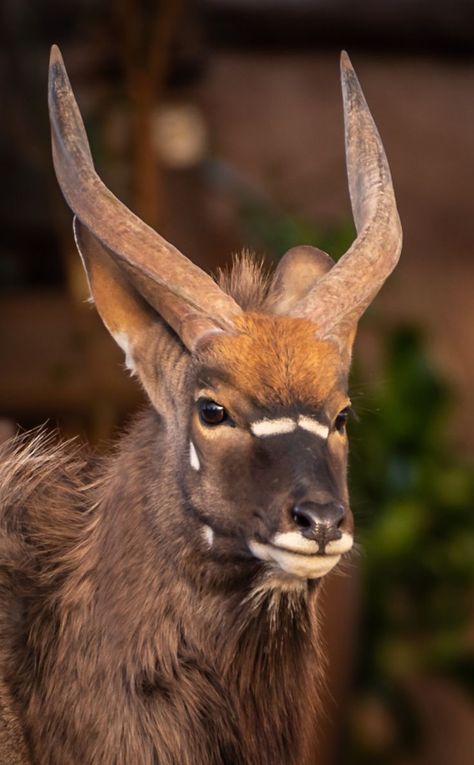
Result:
pixel 220 123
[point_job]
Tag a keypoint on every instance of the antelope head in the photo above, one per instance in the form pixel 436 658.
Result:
pixel 255 399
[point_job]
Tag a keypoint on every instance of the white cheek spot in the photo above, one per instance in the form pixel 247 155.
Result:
pixel 313 426
pixel 263 428
pixel 121 338
pixel 208 535
pixel 193 458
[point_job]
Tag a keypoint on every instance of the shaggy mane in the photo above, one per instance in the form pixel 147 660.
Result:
pixel 247 280
pixel 44 492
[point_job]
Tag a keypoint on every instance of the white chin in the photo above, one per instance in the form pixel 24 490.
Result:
pixel 296 564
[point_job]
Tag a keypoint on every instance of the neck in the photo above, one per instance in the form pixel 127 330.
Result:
pixel 199 649
pixel 250 634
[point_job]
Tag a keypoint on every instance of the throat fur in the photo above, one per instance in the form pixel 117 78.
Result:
pixel 273 666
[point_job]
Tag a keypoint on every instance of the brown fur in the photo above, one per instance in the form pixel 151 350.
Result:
pixel 278 361
pixel 122 638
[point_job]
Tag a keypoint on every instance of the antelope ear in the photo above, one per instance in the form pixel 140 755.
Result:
pixel 295 276
pixel 133 324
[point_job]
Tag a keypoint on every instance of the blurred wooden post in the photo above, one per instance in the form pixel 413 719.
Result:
pixel 146 57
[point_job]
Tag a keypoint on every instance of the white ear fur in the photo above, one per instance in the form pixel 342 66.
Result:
pixel 133 324
pixel 121 339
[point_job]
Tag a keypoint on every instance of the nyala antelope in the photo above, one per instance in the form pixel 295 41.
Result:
pixel 159 606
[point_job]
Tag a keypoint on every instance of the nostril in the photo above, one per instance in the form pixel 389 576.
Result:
pixel 302 519
pixel 319 522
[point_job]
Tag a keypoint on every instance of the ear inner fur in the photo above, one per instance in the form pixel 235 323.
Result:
pixel 295 275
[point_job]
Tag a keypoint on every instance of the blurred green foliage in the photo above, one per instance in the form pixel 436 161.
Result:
pixel 273 232
pixel 413 500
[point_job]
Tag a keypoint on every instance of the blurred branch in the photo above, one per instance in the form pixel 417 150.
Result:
pixel 146 59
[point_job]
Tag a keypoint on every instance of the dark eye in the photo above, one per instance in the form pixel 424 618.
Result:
pixel 341 419
pixel 211 413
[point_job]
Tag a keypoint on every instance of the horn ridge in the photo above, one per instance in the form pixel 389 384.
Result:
pixel 343 294
pixel 129 240
pixel 363 144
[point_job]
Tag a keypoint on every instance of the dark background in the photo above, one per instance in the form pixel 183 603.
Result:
pixel 220 123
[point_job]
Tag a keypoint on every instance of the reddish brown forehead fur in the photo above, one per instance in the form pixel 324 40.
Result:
pixel 277 360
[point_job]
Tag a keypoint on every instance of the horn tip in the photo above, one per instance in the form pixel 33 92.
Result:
pixel 55 73
pixel 55 56
pixel 345 61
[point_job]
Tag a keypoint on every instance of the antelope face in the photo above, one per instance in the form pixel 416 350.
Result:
pixel 268 447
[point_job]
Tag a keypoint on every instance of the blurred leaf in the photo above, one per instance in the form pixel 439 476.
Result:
pixel 396 530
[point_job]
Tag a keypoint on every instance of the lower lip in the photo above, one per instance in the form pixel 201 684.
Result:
pixel 298 564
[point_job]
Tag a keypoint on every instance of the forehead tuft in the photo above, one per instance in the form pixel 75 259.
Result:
pixel 277 360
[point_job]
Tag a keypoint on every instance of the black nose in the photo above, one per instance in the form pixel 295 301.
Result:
pixel 319 522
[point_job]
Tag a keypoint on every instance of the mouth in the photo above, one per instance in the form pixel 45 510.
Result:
pixel 299 556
